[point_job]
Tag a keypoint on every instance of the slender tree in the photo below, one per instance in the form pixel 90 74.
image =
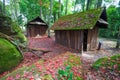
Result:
pixel 51 4
pixel 41 3
pixel 15 8
pixel 66 7
pixel 118 39
pixel 0 6
pixel 4 6
pixel 59 9
pixel 82 4
pixel 50 17
pixel 88 5
pixel 98 3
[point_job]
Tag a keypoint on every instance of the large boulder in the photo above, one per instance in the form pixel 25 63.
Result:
pixel 10 28
pixel 10 55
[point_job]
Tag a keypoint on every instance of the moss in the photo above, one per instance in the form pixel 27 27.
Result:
pixel 47 77
pixel 24 69
pixel 73 61
pixel 81 20
pixel 99 63
pixel 107 62
pixel 21 37
pixel 9 55
pixel 10 28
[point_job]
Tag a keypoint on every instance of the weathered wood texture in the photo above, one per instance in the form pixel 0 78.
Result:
pixel 34 30
pixel 92 39
pixel 70 38
pixel 74 38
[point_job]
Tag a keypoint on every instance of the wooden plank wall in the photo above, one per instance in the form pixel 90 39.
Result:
pixel 34 30
pixel 92 39
pixel 70 38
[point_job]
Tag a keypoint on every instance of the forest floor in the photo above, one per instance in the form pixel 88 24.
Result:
pixel 88 57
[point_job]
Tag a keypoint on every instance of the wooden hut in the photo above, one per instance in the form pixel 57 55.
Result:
pixel 79 31
pixel 36 27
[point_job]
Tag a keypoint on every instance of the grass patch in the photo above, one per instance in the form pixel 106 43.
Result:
pixel 112 63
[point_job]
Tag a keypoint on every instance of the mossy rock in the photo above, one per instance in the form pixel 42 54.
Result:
pixel 99 63
pixel 10 56
pixel 107 62
pixel 10 28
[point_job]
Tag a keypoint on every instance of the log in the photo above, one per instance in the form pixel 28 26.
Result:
pixel 36 51
pixel 39 49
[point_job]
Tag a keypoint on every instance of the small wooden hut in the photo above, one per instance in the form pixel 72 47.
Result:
pixel 36 27
pixel 79 31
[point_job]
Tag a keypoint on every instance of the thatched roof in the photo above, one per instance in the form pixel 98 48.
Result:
pixel 37 21
pixel 82 20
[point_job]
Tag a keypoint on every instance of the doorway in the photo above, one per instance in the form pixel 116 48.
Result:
pixel 85 40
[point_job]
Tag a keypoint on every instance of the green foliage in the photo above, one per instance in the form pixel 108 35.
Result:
pixel 65 74
pixel 99 63
pixel 113 20
pixel 9 55
pixel 29 8
pixel 107 62
pixel 78 78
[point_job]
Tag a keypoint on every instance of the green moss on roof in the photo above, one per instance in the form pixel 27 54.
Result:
pixel 81 20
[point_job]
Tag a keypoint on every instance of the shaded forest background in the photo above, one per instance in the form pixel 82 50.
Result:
pixel 22 11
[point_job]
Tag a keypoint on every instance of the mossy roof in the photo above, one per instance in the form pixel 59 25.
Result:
pixel 77 21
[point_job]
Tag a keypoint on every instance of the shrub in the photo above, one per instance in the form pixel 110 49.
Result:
pixel 108 62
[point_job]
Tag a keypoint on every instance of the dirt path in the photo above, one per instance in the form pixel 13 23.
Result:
pixel 87 57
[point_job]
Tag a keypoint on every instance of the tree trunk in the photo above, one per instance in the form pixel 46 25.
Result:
pixel 41 3
pixel 1 8
pixel 59 13
pixel 98 3
pixel 66 7
pixel 4 6
pixel 74 5
pixel 15 3
pixel 54 17
pixel 83 7
pixel 118 40
pixel 41 11
pixel 51 4
pixel 88 5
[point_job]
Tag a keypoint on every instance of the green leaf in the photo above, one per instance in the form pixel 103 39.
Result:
pixel 62 72
pixel 68 67
pixel 65 73
pixel 71 76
